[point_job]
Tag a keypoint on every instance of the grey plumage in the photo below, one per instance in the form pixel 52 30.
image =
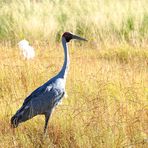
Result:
pixel 43 100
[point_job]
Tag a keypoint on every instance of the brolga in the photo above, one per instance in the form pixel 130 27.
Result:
pixel 45 98
pixel 27 50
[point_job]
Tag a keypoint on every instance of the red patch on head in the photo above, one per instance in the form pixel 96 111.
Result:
pixel 67 36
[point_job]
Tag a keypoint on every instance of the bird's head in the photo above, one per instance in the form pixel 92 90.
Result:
pixel 68 36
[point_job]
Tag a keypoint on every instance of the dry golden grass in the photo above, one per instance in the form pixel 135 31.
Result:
pixel 107 104
pixel 107 85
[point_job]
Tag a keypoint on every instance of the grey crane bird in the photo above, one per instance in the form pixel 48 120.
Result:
pixel 45 98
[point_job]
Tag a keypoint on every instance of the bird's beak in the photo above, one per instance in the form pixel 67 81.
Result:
pixel 78 38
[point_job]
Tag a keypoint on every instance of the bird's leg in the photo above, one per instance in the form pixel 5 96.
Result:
pixel 47 116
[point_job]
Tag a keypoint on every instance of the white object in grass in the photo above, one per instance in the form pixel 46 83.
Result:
pixel 27 50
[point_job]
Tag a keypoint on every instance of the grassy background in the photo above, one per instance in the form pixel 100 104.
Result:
pixel 107 104
pixel 108 21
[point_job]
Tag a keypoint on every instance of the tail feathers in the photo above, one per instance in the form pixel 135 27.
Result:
pixel 14 121
pixel 20 116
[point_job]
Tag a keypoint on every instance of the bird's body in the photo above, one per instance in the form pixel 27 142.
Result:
pixel 27 50
pixel 44 99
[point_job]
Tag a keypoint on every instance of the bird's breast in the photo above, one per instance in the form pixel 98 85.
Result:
pixel 60 83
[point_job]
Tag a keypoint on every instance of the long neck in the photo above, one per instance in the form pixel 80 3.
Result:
pixel 65 68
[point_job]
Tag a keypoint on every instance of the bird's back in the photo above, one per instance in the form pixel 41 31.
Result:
pixel 41 101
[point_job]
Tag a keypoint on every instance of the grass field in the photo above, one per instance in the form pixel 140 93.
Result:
pixel 107 21
pixel 107 85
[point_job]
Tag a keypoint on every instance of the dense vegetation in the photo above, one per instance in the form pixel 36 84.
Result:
pixel 107 85
pixel 44 20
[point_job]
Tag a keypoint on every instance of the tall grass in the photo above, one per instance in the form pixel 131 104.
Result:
pixel 107 21
pixel 107 104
